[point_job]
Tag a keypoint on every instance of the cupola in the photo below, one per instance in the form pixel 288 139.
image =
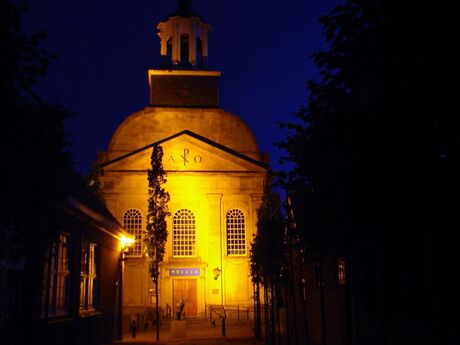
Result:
pixel 184 39
pixel 183 79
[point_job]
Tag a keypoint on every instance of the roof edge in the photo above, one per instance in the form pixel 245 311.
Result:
pixel 193 135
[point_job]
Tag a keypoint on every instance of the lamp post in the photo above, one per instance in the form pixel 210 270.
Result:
pixel 125 243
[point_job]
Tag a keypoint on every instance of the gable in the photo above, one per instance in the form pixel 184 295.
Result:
pixel 187 151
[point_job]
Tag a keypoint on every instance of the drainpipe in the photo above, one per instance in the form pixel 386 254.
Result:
pixel 221 253
pixel 120 296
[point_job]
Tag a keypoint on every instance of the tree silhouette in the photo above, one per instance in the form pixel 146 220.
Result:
pixel 35 160
pixel 375 157
pixel 156 232
pixel 33 145
pixel 267 249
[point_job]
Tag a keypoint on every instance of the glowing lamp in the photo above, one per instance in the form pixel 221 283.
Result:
pixel 216 272
pixel 126 242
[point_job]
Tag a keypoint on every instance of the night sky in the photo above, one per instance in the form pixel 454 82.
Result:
pixel 104 49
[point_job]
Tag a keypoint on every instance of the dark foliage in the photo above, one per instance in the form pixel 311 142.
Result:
pixel 267 245
pixel 376 158
pixel 34 151
pixel 157 232
pixel 34 164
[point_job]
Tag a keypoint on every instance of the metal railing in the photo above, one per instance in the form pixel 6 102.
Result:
pixel 234 312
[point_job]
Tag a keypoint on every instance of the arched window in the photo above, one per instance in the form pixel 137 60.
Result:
pixel 184 49
pixel 199 52
pixel 132 222
pixel 236 233
pixel 184 235
pixel 169 49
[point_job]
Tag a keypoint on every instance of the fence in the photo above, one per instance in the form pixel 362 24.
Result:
pixel 229 312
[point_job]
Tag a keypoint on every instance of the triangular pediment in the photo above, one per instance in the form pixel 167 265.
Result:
pixel 187 151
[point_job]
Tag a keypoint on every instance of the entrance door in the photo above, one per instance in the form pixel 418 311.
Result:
pixel 185 289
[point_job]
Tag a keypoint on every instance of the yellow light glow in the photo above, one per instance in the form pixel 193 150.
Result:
pixel 126 242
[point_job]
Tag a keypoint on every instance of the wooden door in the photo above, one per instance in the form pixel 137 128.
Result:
pixel 185 289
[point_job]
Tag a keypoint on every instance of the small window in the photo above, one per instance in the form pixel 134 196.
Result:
pixel 3 245
pixel 55 289
pixel 132 222
pixel 319 273
pixel 184 234
pixel 341 271
pixel 236 233
pixel 304 289
pixel 88 276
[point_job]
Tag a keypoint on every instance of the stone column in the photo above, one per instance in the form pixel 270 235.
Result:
pixel 215 247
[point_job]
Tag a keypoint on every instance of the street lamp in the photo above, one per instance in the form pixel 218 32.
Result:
pixel 125 244
pixel 216 272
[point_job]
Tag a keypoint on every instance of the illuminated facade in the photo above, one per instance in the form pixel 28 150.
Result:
pixel 215 178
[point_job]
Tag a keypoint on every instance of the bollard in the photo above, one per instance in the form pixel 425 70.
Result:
pixel 223 326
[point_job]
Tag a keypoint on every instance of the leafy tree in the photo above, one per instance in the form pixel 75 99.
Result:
pixel 267 247
pixel 35 159
pixel 373 171
pixel 157 233
pixel 33 145
pixel 268 242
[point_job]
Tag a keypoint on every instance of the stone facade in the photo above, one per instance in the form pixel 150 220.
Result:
pixel 215 176
pixel 209 180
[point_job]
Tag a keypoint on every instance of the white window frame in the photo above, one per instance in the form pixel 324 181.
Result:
pixel 56 272
pixel 88 275
pixel 132 222
pixel 235 226
pixel 184 234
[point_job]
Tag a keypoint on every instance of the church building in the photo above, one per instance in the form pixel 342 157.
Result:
pixel 215 175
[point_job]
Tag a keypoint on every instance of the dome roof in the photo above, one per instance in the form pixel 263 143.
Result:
pixel 153 124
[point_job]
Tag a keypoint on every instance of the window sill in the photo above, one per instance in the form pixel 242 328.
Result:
pixel 89 313
pixel 59 318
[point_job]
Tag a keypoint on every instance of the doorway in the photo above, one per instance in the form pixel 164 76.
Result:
pixel 185 289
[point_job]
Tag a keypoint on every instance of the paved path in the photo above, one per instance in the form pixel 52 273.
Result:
pixel 198 332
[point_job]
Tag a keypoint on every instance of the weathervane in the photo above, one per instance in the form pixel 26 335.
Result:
pixel 184 4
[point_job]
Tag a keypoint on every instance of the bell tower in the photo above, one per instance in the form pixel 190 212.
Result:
pixel 183 79
pixel 184 39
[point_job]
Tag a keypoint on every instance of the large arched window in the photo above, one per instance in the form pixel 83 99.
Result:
pixel 184 235
pixel 132 222
pixel 236 233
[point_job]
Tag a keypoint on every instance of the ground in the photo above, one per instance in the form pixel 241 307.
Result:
pixel 195 332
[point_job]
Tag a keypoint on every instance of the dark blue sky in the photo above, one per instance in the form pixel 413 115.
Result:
pixel 104 48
